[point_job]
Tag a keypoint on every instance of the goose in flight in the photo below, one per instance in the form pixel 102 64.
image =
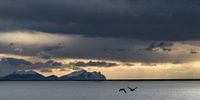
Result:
pixel 122 90
pixel 132 89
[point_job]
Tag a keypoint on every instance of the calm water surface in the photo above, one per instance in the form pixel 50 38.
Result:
pixel 149 90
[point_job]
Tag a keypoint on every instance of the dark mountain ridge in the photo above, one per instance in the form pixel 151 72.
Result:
pixel 81 75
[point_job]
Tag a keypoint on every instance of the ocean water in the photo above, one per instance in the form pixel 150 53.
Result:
pixel 63 90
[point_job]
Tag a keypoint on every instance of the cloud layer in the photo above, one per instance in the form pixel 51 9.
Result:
pixel 140 19
pixel 49 46
pixel 10 64
pixel 32 38
pixel 93 64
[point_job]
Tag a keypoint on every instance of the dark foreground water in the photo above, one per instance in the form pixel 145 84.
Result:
pixel 149 90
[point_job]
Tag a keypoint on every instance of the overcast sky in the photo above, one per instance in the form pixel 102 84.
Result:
pixel 102 33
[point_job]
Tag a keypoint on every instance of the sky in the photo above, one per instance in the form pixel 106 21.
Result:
pixel 123 39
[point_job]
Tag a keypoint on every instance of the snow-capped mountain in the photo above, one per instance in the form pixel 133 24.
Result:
pixel 23 75
pixel 83 75
pixel 15 62
pixel 32 75
pixel 24 72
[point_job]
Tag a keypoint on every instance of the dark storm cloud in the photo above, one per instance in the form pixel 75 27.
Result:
pixel 21 64
pixel 53 63
pixel 14 63
pixel 125 50
pixel 9 64
pixel 164 46
pixel 194 52
pixel 92 63
pixel 140 19
pixel 54 47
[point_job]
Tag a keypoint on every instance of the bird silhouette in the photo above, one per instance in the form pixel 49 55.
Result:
pixel 132 89
pixel 122 90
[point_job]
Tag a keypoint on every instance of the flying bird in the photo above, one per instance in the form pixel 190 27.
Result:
pixel 132 89
pixel 122 90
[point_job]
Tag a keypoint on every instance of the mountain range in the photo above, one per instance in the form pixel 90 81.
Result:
pixel 81 75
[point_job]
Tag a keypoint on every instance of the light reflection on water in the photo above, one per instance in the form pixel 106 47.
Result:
pixel 166 90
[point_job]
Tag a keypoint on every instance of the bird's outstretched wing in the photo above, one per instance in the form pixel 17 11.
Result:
pixel 122 90
pixel 132 89
pixel 135 88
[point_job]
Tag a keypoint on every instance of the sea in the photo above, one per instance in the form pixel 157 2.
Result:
pixel 99 90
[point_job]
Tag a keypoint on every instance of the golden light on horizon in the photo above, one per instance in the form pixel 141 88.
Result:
pixel 32 38
pixel 124 70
